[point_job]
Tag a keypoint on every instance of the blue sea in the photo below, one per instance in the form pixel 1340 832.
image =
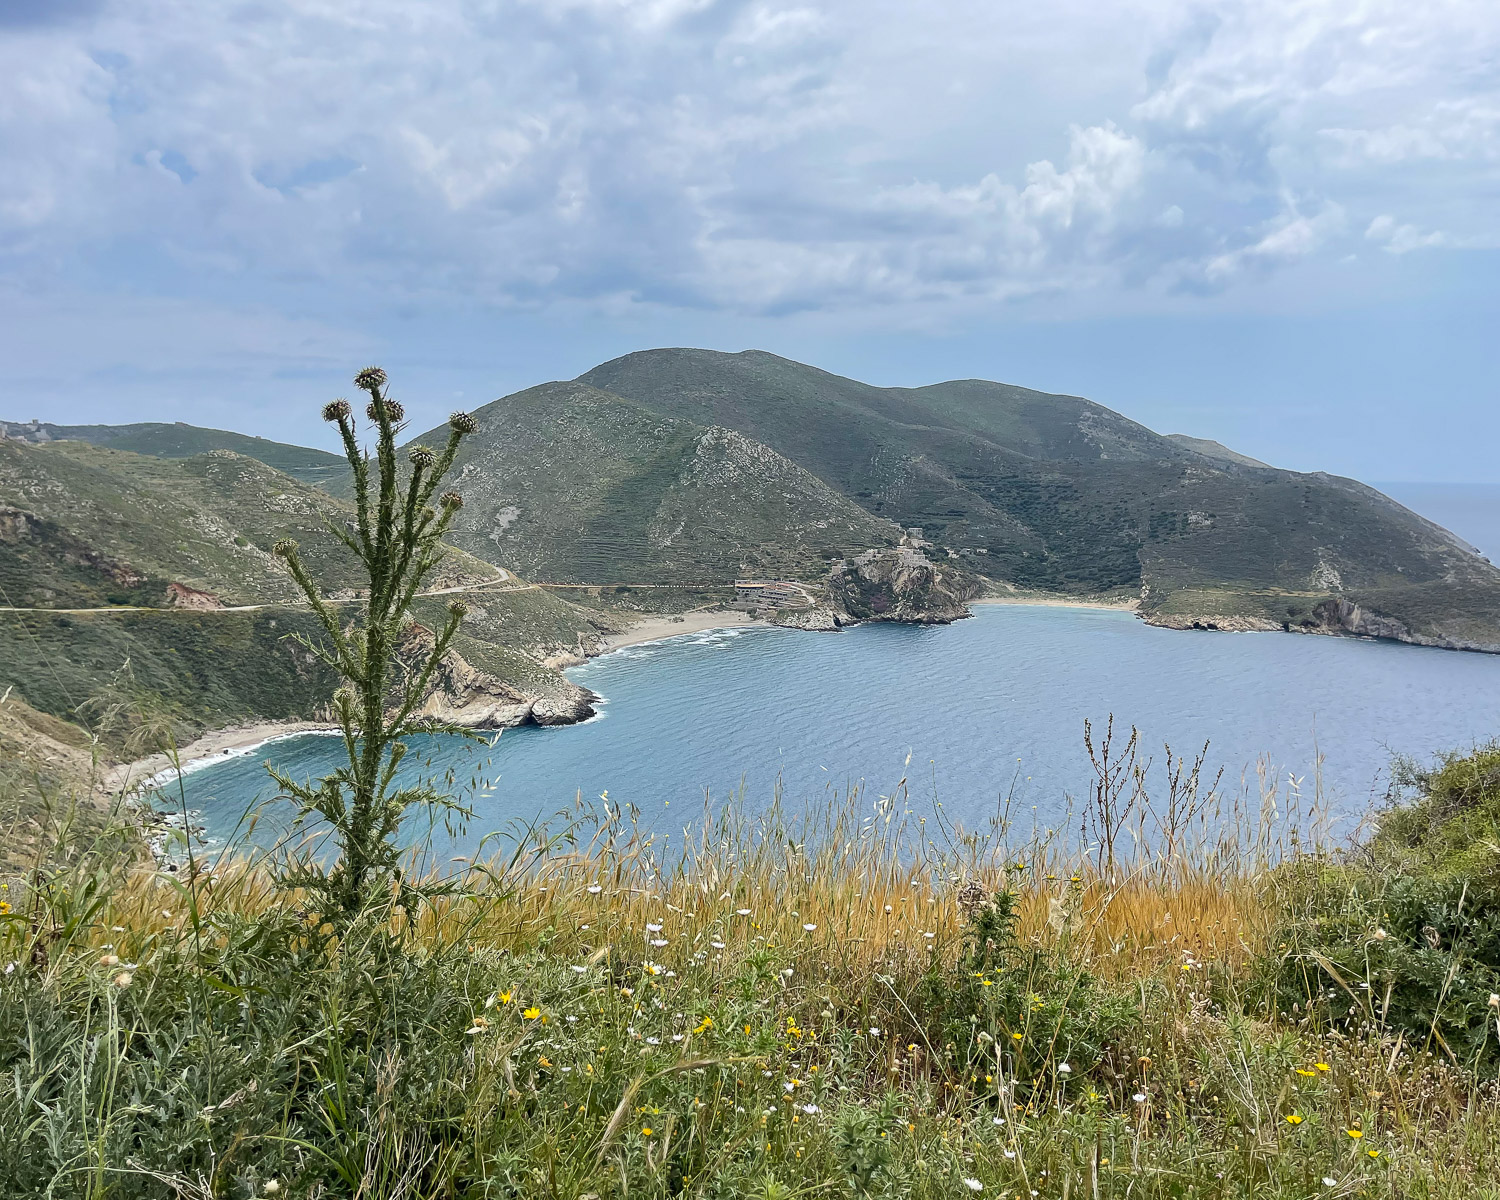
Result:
pixel 971 714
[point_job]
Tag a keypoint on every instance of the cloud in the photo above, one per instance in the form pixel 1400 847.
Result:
pixel 736 155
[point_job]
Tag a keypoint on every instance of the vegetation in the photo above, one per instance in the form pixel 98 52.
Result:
pixel 179 440
pixel 854 1003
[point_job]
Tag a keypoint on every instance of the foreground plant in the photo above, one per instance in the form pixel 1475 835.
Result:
pixel 398 537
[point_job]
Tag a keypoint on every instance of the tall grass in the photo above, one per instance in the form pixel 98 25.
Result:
pixel 863 999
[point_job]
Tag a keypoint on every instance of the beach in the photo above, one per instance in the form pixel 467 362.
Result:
pixel 219 744
pixel 653 629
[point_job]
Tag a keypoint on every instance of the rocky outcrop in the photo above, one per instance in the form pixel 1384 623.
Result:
pixel 464 695
pixel 901 585
pixel 1337 615
pixel 179 595
pixel 819 619
pixel 1219 624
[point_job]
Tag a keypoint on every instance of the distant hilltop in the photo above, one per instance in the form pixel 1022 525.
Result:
pixel 693 468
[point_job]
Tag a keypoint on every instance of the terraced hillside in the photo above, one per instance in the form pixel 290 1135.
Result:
pixel 571 484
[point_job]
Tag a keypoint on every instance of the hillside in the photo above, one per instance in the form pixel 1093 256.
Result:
pixel 1058 493
pixel 570 484
pixel 186 543
pixel 179 440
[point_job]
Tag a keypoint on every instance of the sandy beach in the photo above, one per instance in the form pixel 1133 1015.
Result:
pixel 1047 601
pixel 219 744
pixel 653 629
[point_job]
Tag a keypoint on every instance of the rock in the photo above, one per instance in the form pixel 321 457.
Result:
pixel 462 694
pixel 820 619
pixel 902 585
pixel 179 595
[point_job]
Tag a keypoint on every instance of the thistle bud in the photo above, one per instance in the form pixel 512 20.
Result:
pixel 336 410
pixel 462 422
pixel 370 379
pixel 423 457
pixel 285 548
pixel 393 411
pixel 343 699
pixel 451 500
pixel 458 609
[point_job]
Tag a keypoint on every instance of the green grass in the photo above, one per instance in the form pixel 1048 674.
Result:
pixel 782 1007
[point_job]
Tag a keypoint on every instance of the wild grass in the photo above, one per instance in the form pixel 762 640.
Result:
pixel 866 1000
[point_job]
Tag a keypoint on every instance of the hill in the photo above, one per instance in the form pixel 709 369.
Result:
pixel 1216 450
pixel 185 543
pixel 1057 493
pixel 571 484
pixel 179 440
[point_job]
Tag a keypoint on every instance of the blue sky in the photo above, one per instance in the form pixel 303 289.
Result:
pixel 1274 224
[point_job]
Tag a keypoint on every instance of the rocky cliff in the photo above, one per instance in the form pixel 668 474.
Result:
pixel 901 585
pixel 462 694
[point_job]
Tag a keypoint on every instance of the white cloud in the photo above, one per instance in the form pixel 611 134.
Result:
pixel 759 155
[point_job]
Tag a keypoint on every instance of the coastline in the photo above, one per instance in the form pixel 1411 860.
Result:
pixel 218 745
pixel 1042 600
pixel 656 629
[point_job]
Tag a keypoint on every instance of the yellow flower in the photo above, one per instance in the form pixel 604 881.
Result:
pixel 1356 1134
pixel 532 1013
pixel 1301 1071
pixel 1373 1153
pixel 1017 1036
pixel 544 1061
pixel 1323 1066
pixel 504 997
pixel 1294 1118
pixel 645 1131
pixel 4 908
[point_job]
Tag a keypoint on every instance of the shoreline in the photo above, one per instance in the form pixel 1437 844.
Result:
pixel 219 745
pixel 1045 601
pixel 236 741
pixel 660 628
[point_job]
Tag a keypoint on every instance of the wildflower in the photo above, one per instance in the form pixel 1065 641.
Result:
pixel 973 1185
pixel 370 378
pixel 593 889
pixel 462 422
pixel 1304 1071
pixel 504 997
pixel 1017 1037
pixel 1356 1134
pixel 809 1109
pixel 1495 999
pixel 742 912
pixel 110 960
pixel 874 1031
pixel 451 500
pixel 336 410
pixel 1010 1154
pixel 4 908
pixel 123 979
pixel 1064 1069
pixel 653 928
pixel 422 456
pixel 717 945
pixel 1373 1153
pixel 1323 1066
pixel 1330 1181
pixel 809 927
pixel 658 942
pixel 645 1131
pixel 532 1013
pixel 1294 1118
pixel 272 1187
pixel 1380 935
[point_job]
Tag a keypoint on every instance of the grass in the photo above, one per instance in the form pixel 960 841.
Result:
pixel 853 1002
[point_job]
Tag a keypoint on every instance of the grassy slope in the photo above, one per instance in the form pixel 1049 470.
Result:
pixel 178 440
pixel 1063 494
pixel 569 484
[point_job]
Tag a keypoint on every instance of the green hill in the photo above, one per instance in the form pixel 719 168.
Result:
pixel 571 484
pixel 179 440
pixel 187 543
pixel 1058 493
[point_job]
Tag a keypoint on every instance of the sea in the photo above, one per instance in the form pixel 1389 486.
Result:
pixel 974 719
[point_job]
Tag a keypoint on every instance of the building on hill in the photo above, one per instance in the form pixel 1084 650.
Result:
pixel 751 594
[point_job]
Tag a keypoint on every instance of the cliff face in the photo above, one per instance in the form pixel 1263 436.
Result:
pixel 462 694
pixel 901 585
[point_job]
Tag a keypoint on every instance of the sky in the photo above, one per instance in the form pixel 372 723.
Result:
pixel 1270 223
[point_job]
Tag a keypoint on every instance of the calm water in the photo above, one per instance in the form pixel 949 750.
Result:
pixel 989 704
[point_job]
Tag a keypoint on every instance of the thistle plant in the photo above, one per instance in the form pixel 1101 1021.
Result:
pixel 397 536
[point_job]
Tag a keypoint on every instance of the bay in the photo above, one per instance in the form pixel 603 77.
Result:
pixel 988 708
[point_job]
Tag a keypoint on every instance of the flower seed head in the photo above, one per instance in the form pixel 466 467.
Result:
pixel 462 422
pixel 336 410
pixel 393 411
pixel 370 379
pixel 423 457
pixel 285 548
pixel 458 609
pixel 451 500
